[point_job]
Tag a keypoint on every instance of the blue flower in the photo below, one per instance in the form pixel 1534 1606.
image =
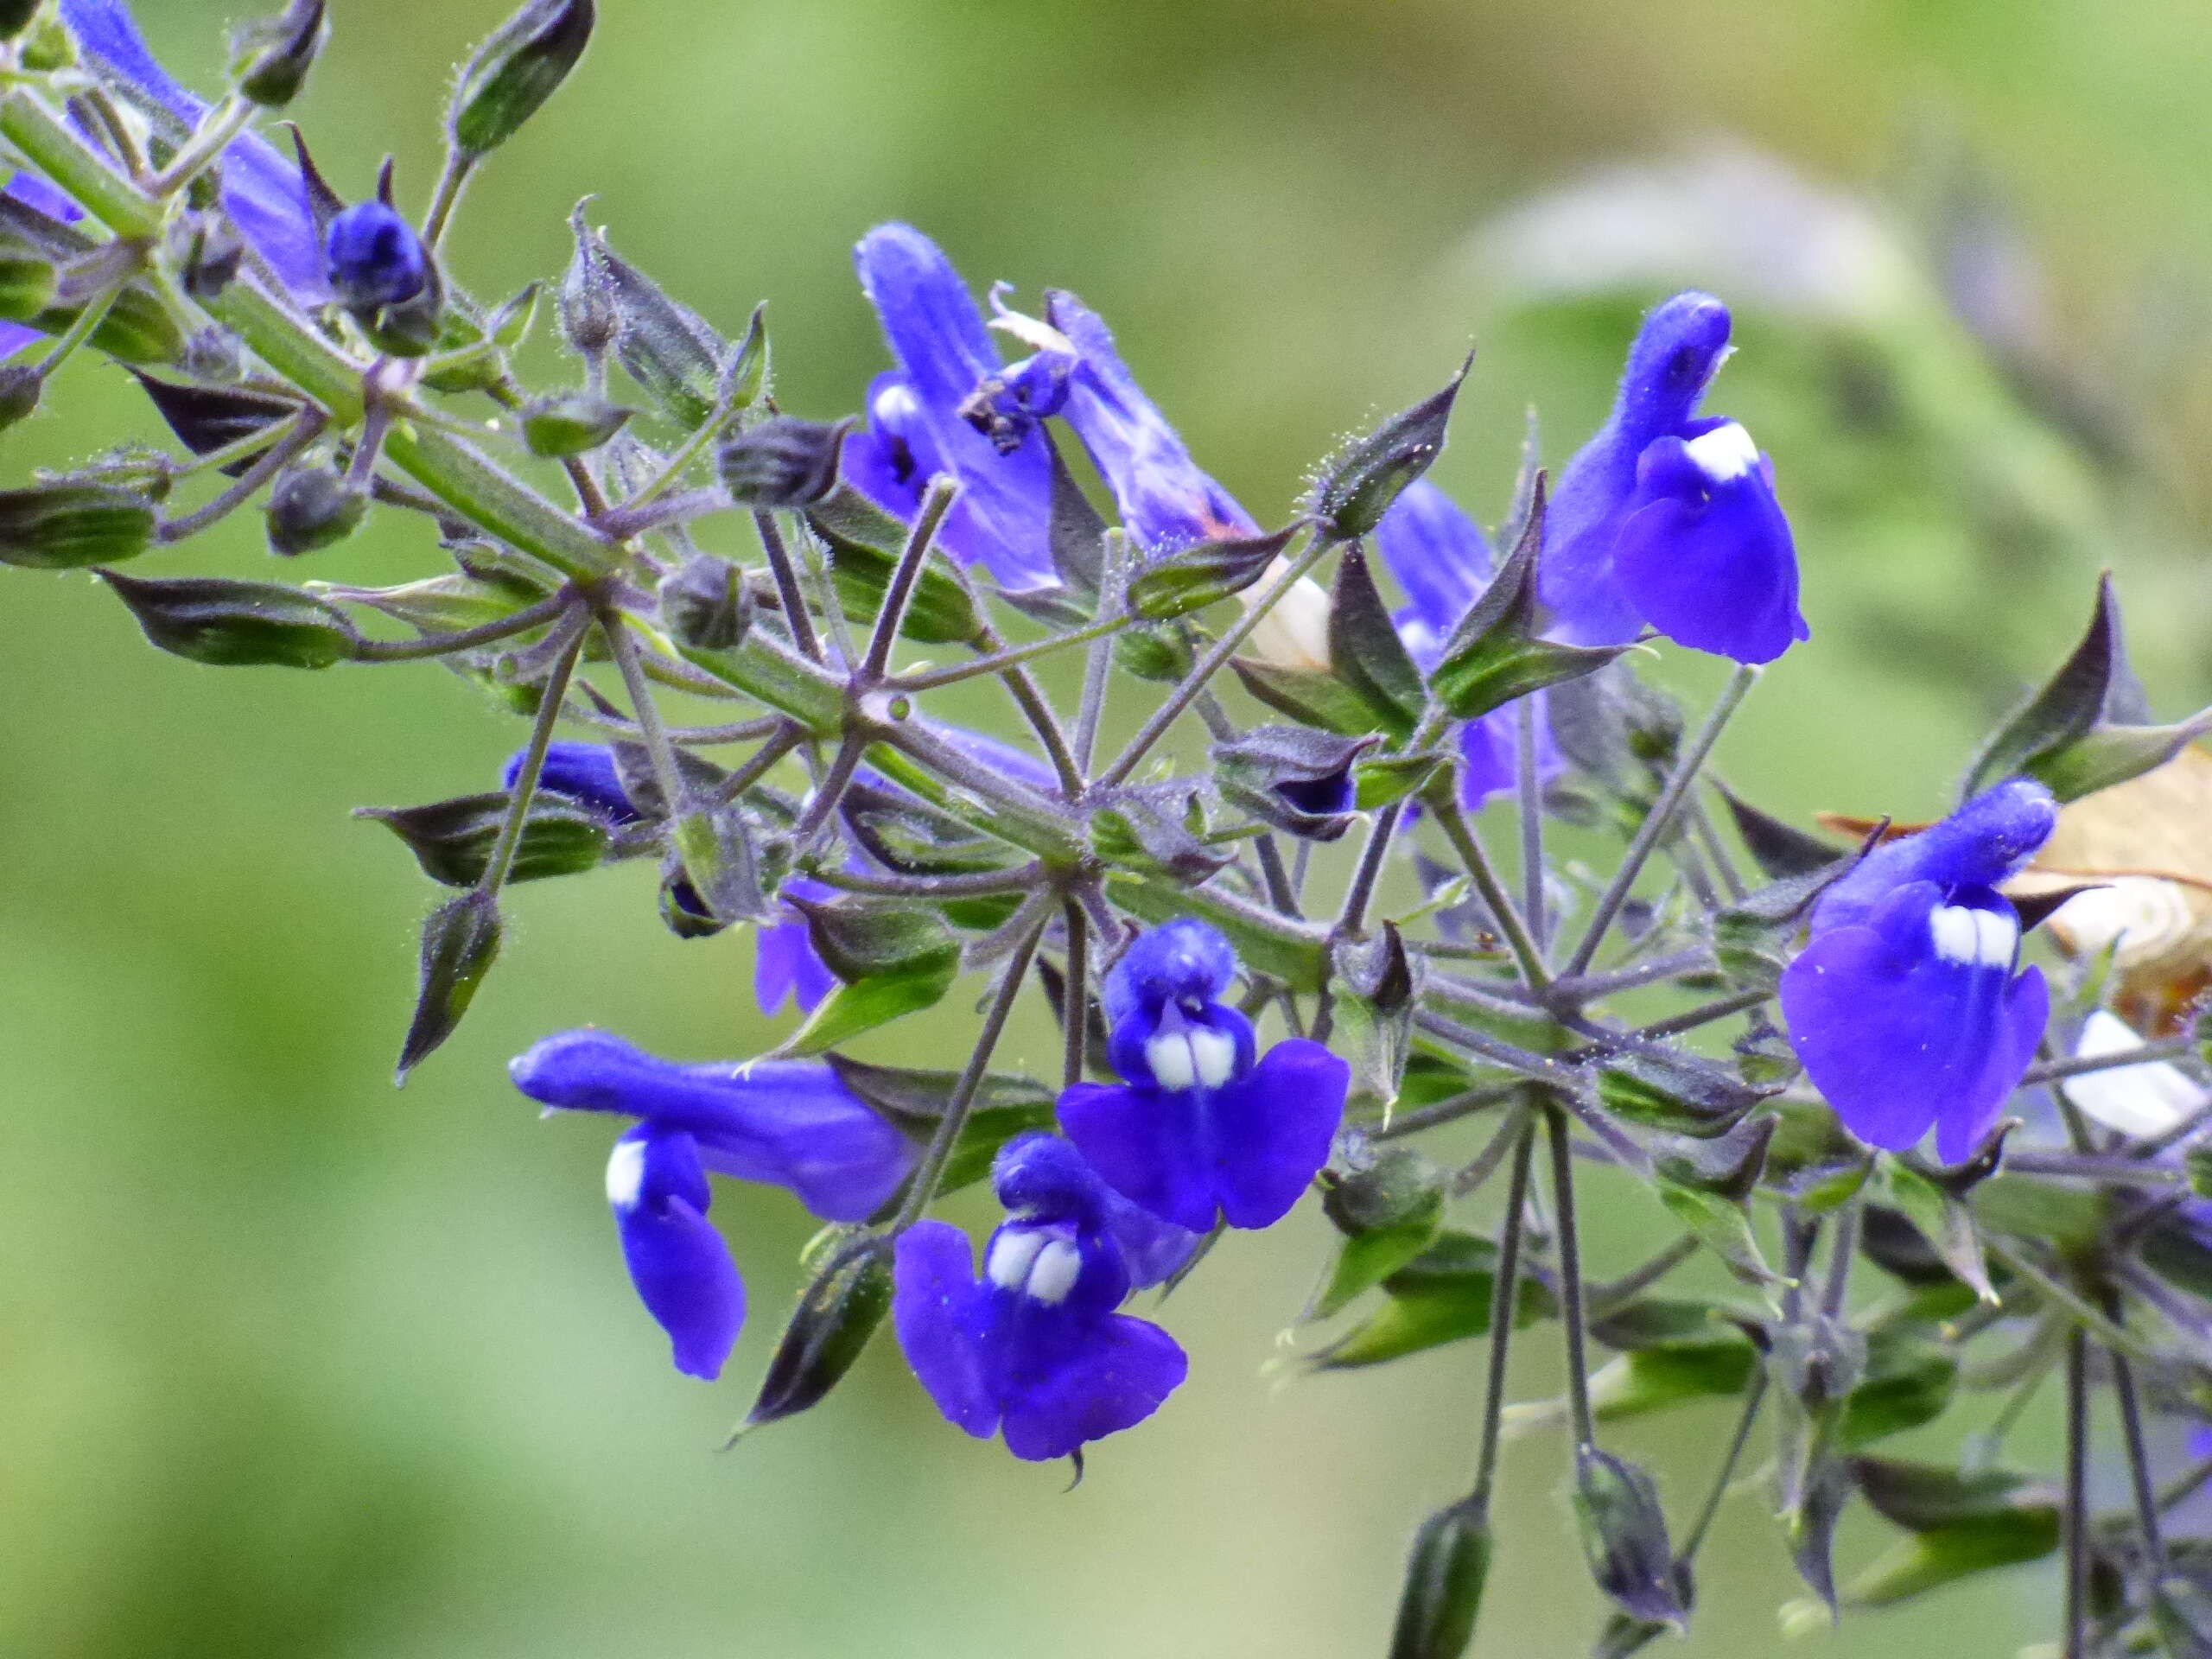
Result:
pixel 1668 518
pixel 916 424
pixel 1443 561
pixel 1199 1125
pixel 263 191
pixel 787 1123
pixel 374 258
pixel 1034 1348
pixel 584 773
pixel 785 963
pixel 1905 1007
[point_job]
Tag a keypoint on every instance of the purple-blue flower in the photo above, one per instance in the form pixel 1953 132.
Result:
pixel 1443 561
pixel 1905 1007
pixel 1669 517
pixel 915 425
pixel 1034 1348
pixel 584 773
pixel 785 963
pixel 1200 1125
pixel 262 191
pixel 374 258
pixel 788 1123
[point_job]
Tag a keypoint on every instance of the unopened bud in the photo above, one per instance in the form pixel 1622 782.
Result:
pixel 571 423
pixel 271 58
pixel 589 315
pixel 1294 633
pixel 515 71
pixel 15 16
pixel 1625 1536
pixel 66 526
pixel 207 252
pixel 1294 778
pixel 19 390
pixel 374 258
pixel 705 604
pixel 312 508
pixel 783 462
pixel 27 280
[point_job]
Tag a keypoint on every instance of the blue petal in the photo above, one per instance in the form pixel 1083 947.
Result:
pixel 1165 500
pixel 1001 756
pixel 36 193
pixel 1710 562
pixel 1001 520
pixel 1109 1376
pixel 263 191
pixel 1439 555
pixel 1044 1177
pixel 678 1262
pixel 582 772
pixel 935 1308
pixel 1986 841
pixel 1154 1251
pixel 1899 1036
pixel 890 458
pixel 1680 345
pixel 790 1123
pixel 784 960
pixel 1247 1149
pixel 1181 961
pixel 372 257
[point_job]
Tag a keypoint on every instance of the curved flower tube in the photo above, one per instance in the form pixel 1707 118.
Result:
pixel 786 1123
pixel 1033 1350
pixel 263 191
pixel 1443 561
pixel 584 773
pixel 1905 1007
pixel 1668 518
pixel 1200 1126
pixel 916 427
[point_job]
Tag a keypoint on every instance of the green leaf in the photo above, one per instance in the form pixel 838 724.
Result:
pixel 1379 780
pixel 1946 1222
pixel 1195 577
pixel 1443 1295
pixel 1496 654
pixel 1366 653
pixel 439 604
pixel 1309 696
pixel 863 1006
pixel 860 938
pixel 864 543
pixel 1909 1381
pixel 453 840
pixel 1681 1093
pixel 236 624
pixel 1389 1213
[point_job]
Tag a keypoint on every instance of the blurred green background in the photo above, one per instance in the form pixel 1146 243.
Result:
pixel 295 1364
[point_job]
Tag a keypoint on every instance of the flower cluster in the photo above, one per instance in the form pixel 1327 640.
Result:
pixel 730 629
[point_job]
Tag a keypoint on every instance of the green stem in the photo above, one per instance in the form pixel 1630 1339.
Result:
pixel 444 645
pixel 1660 819
pixel 928 679
pixel 519 793
pixel 2074 1520
pixel 212 136
pixel 1452 820
pixel 1505 1296
pixel 80 329
pixel 1570 1277
pixel 452 181
pixel 1075 998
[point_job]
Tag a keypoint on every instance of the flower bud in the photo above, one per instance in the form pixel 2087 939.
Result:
pixel 521 66
pixel 452 841
pixel 374 258
pixel 588 317
pixel 312 508
pixel 19 390
pixel 15 16
pixel 572 423
pixel 460 943
pixel 1359 491
pixel 236 624
pixel 836 1315
pixel 271 58
pixel 862 938
pixel 65 525
pixel 208 253
pixel 1443 1593
pixel 705 604
pixel 1294 633
pixel 28 279
pixel 1625 1536
pixel 782 463
pixel 1293 777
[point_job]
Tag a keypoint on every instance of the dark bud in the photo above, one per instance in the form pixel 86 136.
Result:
pixel 1294 778
pixel 19 393
pixel 590 319
pixel 236 624
pixel 15 16
pixel 66 526
pixel 1681 1093
pixel 666 347
pixel 782 463
pixel 571 423
pixel 1158 829
pixel 271 58
pixel 1444 1576
pixel 1781 850
pixel 453 840
pixel 374 258
pixel 1360 489
pixel 312 508
pixel 213 354
pixel 1194 578
pixel 1625 1536
pixel 208 418
pixel 207 252
pixel 837 1313
pixel 516 70
pixel 705 604
pixel 460 943
pixel 1388 1211
pixel 861 939
pixel 682 909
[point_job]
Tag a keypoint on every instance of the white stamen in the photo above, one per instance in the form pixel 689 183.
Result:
pixel 1013 1254
pixel 1037 335
pixel 626 1173
pixel 1058 1265
pixel 1173 1066
pixel 1725 453
pixel 1996 938
pixel 2143 1100
pixel 1956 937
pixel 1213 1056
